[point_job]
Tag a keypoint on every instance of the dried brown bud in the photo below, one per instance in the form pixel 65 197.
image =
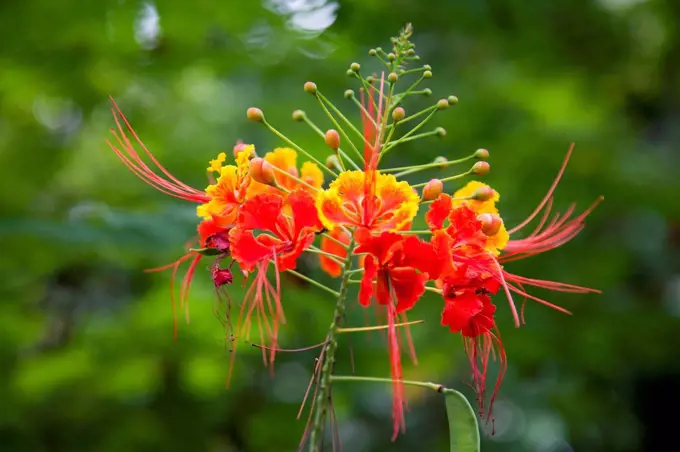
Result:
pixel 432 190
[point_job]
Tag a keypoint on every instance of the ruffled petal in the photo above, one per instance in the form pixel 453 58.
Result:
pixel 332 247
pixel 408 286
pixel 247 250
pixel 439 211
pixel 305 215
pixel 261 212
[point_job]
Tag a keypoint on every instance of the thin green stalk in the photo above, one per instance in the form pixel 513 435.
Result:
pixel 323 135
pixel 414 168
pixel 414 116
pixel 420 384
pixel 409 133
pixel 377 328
pixel 298 148
pixel 446 179
pixel 323 100
pixel 296 179
pixel 315 283
pixel 332 257
pixel 324 389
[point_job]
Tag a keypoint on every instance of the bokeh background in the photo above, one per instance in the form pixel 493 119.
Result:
pixel 88 361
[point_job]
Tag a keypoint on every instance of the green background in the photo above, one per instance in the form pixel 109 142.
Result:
pixel 88 361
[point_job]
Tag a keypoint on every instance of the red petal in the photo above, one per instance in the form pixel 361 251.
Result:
pixel 366 289
pixel 408 285
pixel 305 214
pixel 247 250
pixel 287 260
pixel 261 212
pixel 438 212
pixel 460 310
pixel 382 246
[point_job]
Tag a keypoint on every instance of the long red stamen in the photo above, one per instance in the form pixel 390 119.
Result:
pixel 548 195
pixel 479 349
pixel 169 184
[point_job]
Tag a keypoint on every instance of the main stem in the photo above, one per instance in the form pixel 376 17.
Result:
pixel 324 391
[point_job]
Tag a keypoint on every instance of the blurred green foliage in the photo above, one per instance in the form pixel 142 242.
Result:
pixel 88 360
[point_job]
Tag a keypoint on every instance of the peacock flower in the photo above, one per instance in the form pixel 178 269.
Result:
pixel 344 202
pixel 335 244
pixel 226 195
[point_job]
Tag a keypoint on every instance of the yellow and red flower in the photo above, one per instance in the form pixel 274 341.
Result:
pixel 285 159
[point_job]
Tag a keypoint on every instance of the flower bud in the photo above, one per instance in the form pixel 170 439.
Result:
pixel 481 154
pixel 349 94
pixel 442 161
pixel 332 162
pixel 481 168
pixel 255 114
pixel 262 171
pixel 393 77
pixel 427 91
pixel 453 100
pixel 221 276
pixel 440 131
pixel 491 223
pixel 370 79
pixel 427 74
pixel 432 189
pixel 391 56
pixel 354 67
pixel 483 194
pixel 298 115
pixel 442 104
pixel 310 88
pixel 427 67
pixel 372 52
pixel 332 139
pixel 398 114
pixel 350 73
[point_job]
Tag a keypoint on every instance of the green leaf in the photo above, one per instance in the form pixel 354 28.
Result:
pixel 462 422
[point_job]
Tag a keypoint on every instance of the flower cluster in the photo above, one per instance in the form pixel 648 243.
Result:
pixel 262 213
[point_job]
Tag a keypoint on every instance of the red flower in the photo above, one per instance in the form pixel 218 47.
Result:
pixel 332 245
pixel 399 266
pixel 283 237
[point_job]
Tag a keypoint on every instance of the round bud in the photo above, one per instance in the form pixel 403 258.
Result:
pixel 298 115
pixel 370 79
pixel 332 139
pixel 427 91
pixel 427 74
pixel 410 52
pixel 442 104
pixel 453 100
pixel 481 154
pixel 442 161
pixel 440 131
pixel 255 114
pixel 333 163
pixel 432 190
pixel 483 194
pixel 481 168
pixel 262 171
pixel 398 114
pixel 393 77
pixel 355 67
pixel 350 73
pixel 391 56
pixel 491 223
pixel 427 67
pixel 378 49
pixel 310 88
pixel 349 94
pixel 372 52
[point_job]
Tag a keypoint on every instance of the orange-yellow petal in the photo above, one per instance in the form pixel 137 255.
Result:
pixel 311 174
pixel 333 247
pixel 477 206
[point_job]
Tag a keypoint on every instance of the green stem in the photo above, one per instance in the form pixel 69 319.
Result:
pixel 446 179
pixel 323 135
pixel 315 283
pixel 298 148
pixel 420 384
pixel 414 168
pixel 324 389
